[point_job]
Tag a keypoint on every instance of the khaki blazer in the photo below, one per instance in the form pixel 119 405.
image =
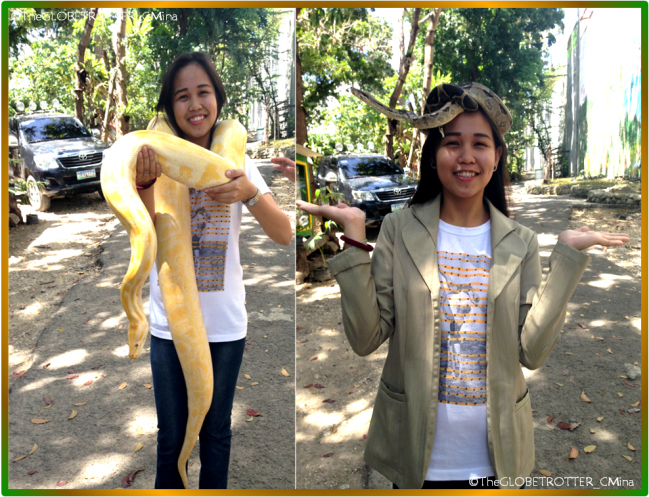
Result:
pixel 395 296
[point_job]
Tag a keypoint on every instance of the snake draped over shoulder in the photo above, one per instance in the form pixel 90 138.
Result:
pixel 184 165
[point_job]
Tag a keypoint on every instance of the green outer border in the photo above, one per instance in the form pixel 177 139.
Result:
pixel 5 240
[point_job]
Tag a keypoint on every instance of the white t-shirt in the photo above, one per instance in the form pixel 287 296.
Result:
pixel 219 276
pixel 460 448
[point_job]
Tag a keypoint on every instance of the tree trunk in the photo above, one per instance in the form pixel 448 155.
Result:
pixel 429 52
pixel 300 112
pixel 404 67
pixel 266 138
pixel 121 77
pixel 80 71
pixel 182 21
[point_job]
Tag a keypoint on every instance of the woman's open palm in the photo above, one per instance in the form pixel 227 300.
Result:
pixel 583 238
pixel 342 214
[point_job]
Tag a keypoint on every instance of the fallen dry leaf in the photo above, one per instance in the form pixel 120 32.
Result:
pixel 80 404
pixel 147 385
pixel 573 453
pixel 47 365
pixel 128 479
pixel 19 373
pixel 246 376
pixel 630 447
pixel 351 392
pixel 123 385
pixel 309 385
pixel 31 472
pixel 620 394
pixel 625 377
pixel 600 419
pixel 61 483
pixel 250 419
pixel 35 448
pixel 592 431
pixel 328 401
pixel 560 384
pixel 138 447
pixel 47 400
pixel 621 412
pixel 87 382
pixel 334 429
pixel 73 414
pixel 240 388
pixel 251 412
pixel 544 472
pixel 39 421
pixel 629 384
pixel 19 458
pixel 318 386
pixel 313 358
pixel 72 377
pixel 581 325
pixel 635 404
pixel 140 431
pixel 551 418
pixel 599 338
pixel 609 351
pixel 569 353
pixel 589 448
pixel 284 372
pixel 254 384
pixel 328 455
pixel 584 398
pixel 628 458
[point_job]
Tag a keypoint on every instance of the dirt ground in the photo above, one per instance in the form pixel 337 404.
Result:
pixel 592 359
pixel 66 320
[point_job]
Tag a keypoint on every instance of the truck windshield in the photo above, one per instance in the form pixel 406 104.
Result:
pixel 355 167
pixel 53 128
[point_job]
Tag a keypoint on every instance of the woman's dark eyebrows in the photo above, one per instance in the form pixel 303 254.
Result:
pixel 185 89
pixel 455 133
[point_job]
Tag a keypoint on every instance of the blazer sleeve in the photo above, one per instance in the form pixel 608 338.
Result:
pixel 543 306
pixel 366 292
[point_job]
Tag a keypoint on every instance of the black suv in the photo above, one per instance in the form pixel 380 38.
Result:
pixel 57 151
pixel 373 183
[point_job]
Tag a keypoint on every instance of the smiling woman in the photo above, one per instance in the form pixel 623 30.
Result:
pixel 455 286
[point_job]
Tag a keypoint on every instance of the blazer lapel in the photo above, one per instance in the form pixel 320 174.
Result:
pixel 507 249
pixel 420 240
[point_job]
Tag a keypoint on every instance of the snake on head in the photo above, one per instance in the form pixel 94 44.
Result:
pixel 184 165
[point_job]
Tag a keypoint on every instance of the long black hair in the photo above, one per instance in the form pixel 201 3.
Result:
pixel 166 101
pixel 497 190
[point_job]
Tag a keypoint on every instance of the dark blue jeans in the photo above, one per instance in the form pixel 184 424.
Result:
pixel 171 406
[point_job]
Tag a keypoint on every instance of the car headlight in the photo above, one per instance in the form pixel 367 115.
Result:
pixel 46 161
pixel 362 195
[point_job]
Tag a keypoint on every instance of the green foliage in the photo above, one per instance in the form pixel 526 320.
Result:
pixel 46 66
pixel 340 46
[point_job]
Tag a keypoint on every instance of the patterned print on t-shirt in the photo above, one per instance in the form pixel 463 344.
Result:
pixel 210 230
pixel 464 281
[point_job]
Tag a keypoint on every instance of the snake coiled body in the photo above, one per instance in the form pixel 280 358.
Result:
pixel 184 165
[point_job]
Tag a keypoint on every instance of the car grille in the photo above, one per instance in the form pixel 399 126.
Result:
pixel 81 160
pixel 396 194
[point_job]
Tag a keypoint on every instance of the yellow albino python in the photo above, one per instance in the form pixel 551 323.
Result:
pixel 183 165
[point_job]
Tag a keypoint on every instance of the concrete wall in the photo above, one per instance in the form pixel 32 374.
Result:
pixel 603 93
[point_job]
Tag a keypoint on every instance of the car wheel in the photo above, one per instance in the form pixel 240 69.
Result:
pixel 37 198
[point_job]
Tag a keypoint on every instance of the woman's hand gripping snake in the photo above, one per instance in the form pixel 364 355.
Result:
pixel 184 165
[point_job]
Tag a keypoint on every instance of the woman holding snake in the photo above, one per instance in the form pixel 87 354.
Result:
pixel 191 99
pixel 455 286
